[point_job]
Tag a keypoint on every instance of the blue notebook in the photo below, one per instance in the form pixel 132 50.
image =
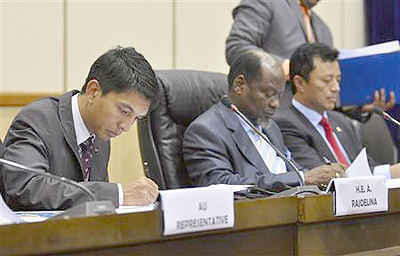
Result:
pixel 361 76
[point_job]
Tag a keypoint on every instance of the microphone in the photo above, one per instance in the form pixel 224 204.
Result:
pixel 48 175
pixel 385 115
pixel 225 100
pixel 91 208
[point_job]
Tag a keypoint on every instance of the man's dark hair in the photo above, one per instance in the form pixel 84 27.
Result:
pixel 123 69
pixel 302 59
pixel 247 64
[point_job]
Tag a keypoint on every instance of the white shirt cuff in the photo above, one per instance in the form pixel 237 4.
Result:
pixel 120 194
pixel 383 170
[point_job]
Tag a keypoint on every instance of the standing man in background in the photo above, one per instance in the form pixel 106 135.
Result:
pixel 278 28
pixel 68 136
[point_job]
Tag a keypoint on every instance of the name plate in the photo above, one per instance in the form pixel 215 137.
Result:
pixel 360 195
pixel 197 209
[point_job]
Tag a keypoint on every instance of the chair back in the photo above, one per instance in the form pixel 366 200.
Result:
pixel 377 139
pixel 183 95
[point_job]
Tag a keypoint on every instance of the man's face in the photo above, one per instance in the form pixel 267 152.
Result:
pixel 110 115
pixel 260 99
pixel 321 92
pixel 309 3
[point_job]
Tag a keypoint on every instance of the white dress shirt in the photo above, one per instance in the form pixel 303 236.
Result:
pixel 82 134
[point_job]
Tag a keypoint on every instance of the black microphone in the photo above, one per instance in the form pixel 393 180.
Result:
pixel 225 100
pixel 385 115
pixel 48 175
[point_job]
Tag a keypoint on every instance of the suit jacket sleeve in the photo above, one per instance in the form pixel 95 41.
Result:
pixel 30 145
pixel 250 28
pixel 210 158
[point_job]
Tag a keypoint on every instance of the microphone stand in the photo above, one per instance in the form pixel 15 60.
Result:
pixel 91 208
pixel 231 106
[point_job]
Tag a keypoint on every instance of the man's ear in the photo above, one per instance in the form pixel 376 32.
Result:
pixel 239 83
pixel 299 83
pixel 93 90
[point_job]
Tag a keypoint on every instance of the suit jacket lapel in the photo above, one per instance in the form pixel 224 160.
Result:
pixel 297 13
pixel 320 144
pixel 242 140
pixel 67 121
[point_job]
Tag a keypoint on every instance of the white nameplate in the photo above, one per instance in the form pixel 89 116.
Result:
pixel 197 209
pixel 360 195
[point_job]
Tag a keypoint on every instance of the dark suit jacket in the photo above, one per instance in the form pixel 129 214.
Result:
pixel 217 150
pixel 275 26
pixel 307 145
pixel 42 136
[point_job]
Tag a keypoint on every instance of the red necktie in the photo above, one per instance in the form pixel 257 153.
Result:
pixel 329 135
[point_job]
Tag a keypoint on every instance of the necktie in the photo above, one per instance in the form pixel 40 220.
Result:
pixel 274 163
pixel 307 23
pixel 331 139
pixel 87 150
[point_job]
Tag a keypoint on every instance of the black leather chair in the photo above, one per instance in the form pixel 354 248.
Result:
pixel 184 95
pixel 377 139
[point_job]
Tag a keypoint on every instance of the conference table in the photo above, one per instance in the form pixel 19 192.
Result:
pixel 303 225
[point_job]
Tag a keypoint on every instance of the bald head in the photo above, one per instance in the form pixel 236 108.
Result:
pixel 252 65
pixel 256 82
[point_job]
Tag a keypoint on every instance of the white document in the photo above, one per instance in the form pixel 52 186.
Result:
pixel 393 183
pixel 360 166
pixel 197 209
pixel 382 48
pixel 7 216
pixel 133 209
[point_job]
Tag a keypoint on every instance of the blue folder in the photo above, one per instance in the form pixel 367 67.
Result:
pixel 361 76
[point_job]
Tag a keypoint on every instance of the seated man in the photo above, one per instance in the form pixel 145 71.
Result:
pixel 219 147
pixel 69 136
pixel 311 129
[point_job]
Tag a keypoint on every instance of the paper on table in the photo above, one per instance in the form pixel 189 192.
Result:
pixel 360 166
pixel 7 216
pixel 131 209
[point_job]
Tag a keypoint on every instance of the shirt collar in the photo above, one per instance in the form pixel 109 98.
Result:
pixel 313 116
pixel 81 131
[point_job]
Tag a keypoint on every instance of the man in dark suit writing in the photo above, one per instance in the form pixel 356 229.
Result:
pixel 69 136
pixel 219 147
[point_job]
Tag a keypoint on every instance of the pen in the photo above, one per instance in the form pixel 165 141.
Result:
pixel 146 169
pixel 326 160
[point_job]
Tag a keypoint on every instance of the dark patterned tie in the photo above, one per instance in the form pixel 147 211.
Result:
pixel 329 136
pixel 87 150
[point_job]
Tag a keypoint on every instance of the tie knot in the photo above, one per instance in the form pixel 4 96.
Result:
pixel 87 145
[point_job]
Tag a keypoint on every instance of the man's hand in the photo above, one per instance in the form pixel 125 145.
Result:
pixel 286 68
pixel 321 175
pixel 380 101
pixel 140 192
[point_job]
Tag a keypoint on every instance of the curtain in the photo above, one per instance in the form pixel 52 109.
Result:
pixel 383 23
pixel 383 18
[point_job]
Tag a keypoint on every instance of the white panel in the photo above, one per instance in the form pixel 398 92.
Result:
pixel 97 26
pixel 201 31
pixel 31 46
pixel 332 14
pixel 355 24
pixel 346 20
